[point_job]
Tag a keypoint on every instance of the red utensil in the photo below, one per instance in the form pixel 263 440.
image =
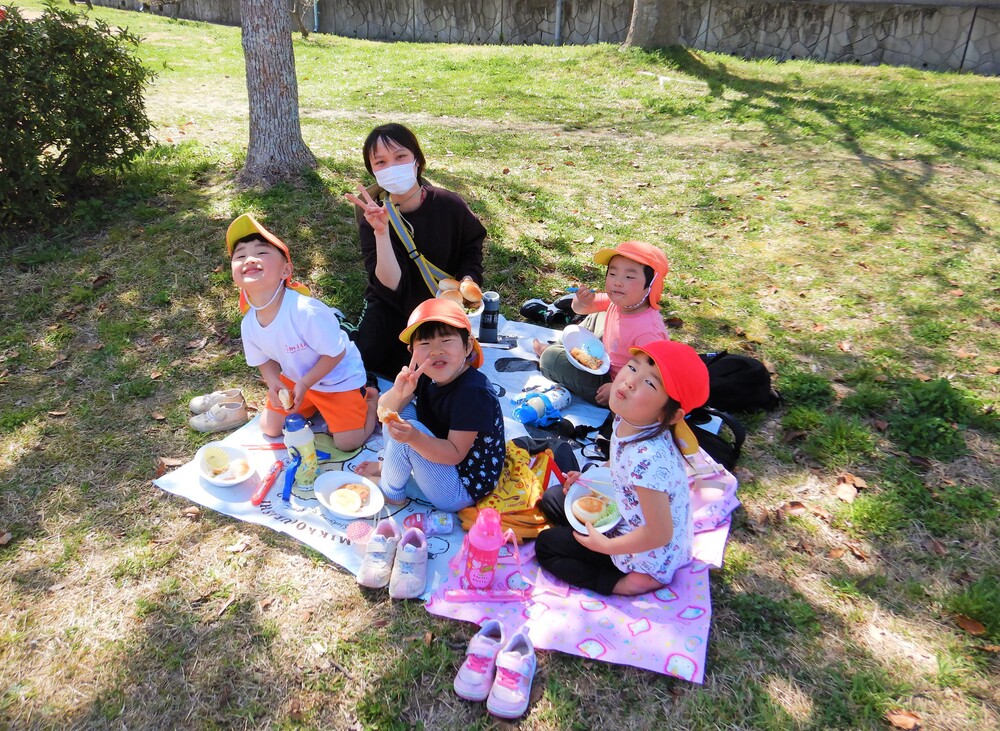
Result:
pixel 265 484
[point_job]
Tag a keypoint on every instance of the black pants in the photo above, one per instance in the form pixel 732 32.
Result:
pixel 377 338
pixel 559 553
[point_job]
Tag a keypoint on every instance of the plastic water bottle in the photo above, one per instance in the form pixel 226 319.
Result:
pixel 299 436
pixel 484 541
pixel 490 318
pixel 542 407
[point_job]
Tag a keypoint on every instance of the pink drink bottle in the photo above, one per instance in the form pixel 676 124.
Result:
pixel 484 541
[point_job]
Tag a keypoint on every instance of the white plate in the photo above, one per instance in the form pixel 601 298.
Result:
pixel 329 482
pixel 575 336
pixel 232 453
pixel 578 490
pixel 471 313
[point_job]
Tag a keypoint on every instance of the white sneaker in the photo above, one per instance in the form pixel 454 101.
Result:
pixel 376 566
pixel 409 570
pixel 201 404
pixel 475 677
pixel 220 417
pixel 511 689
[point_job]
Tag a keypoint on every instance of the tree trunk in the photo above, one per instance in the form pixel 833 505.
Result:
pixel 655 24
pixel 276 151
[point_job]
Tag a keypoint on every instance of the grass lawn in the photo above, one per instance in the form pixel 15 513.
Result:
pixel 839 222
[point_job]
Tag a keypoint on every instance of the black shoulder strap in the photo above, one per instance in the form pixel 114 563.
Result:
pixel 737 429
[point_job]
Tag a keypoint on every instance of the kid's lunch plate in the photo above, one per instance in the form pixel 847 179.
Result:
pixel 578 490
pixel 343 505
pixel 575 336
pixel 222 465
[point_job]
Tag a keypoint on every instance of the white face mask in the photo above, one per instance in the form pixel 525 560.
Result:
pixel 397 179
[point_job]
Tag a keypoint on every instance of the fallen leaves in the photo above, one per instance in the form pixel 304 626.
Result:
pixel 848 486
pixel 970 625
pixel 5 538
pixel 933 545
pixel 192 511
pixel 900 718
pixel 165 463
pixel 239 547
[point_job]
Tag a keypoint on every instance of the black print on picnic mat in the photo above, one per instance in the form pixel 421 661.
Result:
pixel 515 365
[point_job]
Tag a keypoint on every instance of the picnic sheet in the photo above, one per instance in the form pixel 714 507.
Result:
pixel 666 632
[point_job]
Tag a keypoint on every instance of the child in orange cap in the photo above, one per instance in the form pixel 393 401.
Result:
pixel 661 382
pixel 624 316
pixel 453 440
pixel 296 342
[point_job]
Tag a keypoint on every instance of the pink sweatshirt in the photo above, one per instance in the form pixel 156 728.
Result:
pixel 623 330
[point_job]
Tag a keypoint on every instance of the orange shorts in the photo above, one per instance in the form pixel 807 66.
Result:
pixel 342 410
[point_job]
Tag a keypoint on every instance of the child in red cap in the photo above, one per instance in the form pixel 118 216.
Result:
pixel 624 316
pixel 453 441
pixel 651 394
pixel 296 342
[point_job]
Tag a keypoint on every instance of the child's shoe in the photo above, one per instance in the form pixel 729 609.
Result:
pixel 223 416
pixel 475 677
pixel 511 689
pixel 201 404
pixel 376 566
pixel 534 310
pixel 409 571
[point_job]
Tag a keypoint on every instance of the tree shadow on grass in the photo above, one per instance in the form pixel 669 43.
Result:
pixel 792 116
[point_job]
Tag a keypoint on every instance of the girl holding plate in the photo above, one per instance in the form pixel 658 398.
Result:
pixel 650 395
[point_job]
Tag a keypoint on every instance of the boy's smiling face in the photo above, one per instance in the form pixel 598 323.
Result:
pixel 259 268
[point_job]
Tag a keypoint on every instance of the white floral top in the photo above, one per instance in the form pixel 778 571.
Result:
pixel 654 464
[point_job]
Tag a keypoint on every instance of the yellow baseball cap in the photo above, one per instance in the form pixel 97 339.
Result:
pixel 244 226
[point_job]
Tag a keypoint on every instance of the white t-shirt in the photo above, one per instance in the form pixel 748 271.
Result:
pixel 303 330
pixel 656 465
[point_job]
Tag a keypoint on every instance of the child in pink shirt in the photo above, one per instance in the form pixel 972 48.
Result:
pixel 626 315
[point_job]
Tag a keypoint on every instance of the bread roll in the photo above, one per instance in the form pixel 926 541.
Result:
pixel 454 295
pixel 471 291
pixel 588 508
pixel 586 359
pixel 345 501
pixel 285 396
pixel 362 490
pixel 387 415
pixel 448 284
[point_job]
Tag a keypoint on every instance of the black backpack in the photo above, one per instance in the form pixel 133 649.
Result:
pixel 724 451
pixel 738 383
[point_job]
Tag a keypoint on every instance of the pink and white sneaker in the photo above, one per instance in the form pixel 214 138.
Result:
pixel 475 677
pixel 511 689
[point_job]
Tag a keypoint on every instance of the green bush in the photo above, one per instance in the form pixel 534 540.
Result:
pixel 71 108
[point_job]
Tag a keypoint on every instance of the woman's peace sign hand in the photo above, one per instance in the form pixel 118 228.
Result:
pixel 376 214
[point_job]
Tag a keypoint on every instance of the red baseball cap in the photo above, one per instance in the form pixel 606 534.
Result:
pixel 684 374
pixel 643 253
pixel 447 311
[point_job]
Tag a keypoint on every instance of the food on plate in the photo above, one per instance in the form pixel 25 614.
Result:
pixel 216 460
pixel 452 294
pixel 471 291
pixel 593 508
pixel 448 284
pixel 238 470
pixel 345 500
pixel 361 489
pixel 285 396
pixel 387 415
pixel 586 359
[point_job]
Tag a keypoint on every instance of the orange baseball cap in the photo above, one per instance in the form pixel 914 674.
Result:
pixel 643 253
pixel 448 312
pixel 244 226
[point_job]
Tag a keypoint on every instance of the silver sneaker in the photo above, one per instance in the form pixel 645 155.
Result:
pixel 220 417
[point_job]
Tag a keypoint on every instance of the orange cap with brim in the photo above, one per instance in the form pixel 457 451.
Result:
pixel 685 379
pixel 643 253
pixel 448 312
pixel 244 226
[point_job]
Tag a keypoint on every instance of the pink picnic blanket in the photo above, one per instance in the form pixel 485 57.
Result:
pixel 665 631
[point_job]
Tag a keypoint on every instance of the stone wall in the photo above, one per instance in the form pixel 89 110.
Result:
pixel 960 35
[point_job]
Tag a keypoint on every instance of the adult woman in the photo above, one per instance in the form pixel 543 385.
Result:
pixel 442 229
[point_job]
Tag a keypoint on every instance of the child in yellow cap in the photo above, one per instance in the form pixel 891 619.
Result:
pixel 626 315
pixel 453 440
pixel 296 342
